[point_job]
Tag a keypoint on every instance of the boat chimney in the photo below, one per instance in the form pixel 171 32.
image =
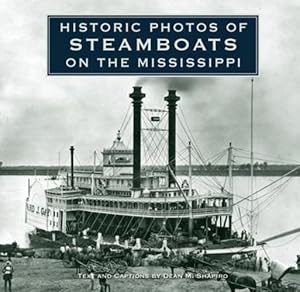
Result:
pixel 172 99
pixel 72 166
pixel 137 97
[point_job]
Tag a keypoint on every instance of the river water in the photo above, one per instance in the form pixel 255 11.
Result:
pixel 276 210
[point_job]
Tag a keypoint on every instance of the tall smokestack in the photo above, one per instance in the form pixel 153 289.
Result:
pixel 137 97
pixel 72 166
pixel 172 99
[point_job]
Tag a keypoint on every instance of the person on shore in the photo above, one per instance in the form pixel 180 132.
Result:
pixel 298 262
pixel 252 262
pixel 260 264
pixel 164 258
pixel 104 286
pixel 129 257
pixel 165 253
pixel 268 264
pixel 172 261
pixel 246 263
pixel 171 254
pixel 7 275
pixel 91 275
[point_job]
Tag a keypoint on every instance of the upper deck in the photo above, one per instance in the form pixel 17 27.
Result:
pixel 168 203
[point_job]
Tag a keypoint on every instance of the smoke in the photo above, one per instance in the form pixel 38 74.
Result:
pixel 183 84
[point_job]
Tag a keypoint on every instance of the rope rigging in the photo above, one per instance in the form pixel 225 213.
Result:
pixel 154 139
pixel 271 194
pixel 124 122
pixel 268 185
pixel 257 154
pixel 285 243
pixel 198 156
pixel 191 135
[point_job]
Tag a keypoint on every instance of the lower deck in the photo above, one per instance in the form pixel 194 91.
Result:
pixel 213 228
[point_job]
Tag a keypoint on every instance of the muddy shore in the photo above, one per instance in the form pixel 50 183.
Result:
pixel 43 275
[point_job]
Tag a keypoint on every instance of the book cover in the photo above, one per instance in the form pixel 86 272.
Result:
pixel 149 146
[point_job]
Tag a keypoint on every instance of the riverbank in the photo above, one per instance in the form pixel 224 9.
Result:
pixel 45 275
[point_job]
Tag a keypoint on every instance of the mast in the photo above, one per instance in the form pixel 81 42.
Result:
pixel 72 166
pixel 93 173
pixel 190 168
pixel 28 187
pixel 28 196
pixel 191 227
pixel 251 167
pixel 230 169
pixel 94 162
pixel 230 177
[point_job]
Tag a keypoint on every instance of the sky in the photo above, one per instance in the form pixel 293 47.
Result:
pixel 42 115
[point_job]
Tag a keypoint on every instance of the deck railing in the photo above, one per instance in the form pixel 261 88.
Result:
pixel 196 213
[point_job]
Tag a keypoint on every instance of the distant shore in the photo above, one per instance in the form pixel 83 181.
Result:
pixel 209 170
pixel 29 170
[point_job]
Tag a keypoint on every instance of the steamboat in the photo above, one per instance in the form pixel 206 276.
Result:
pixel 128 201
